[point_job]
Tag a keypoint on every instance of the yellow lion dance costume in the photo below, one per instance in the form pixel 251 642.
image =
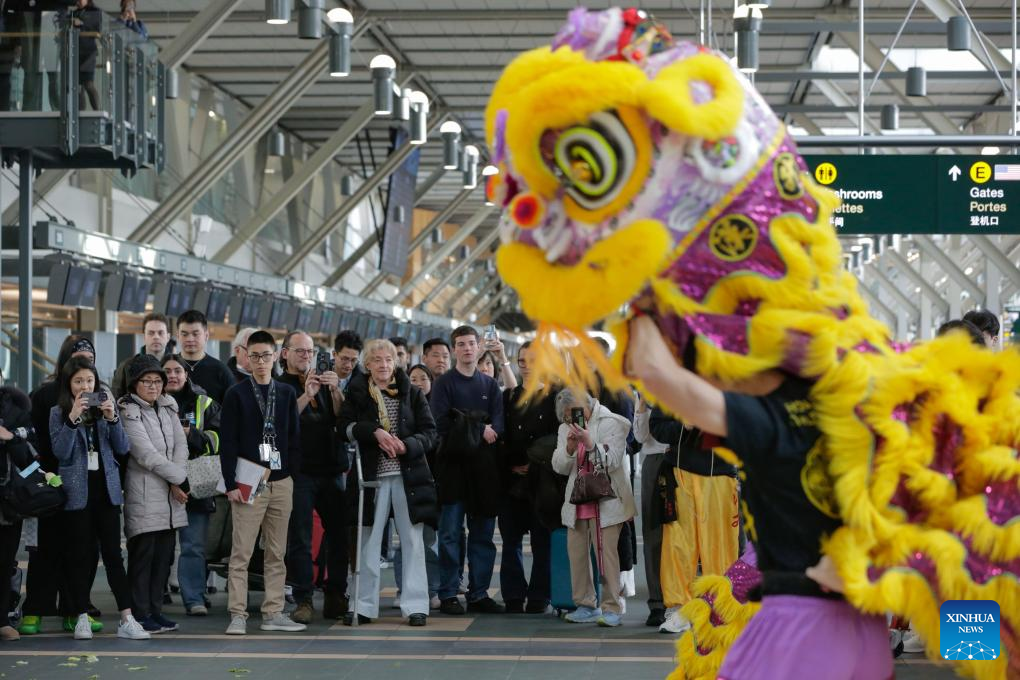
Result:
pixel 638 173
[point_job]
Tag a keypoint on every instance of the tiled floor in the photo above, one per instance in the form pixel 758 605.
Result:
pixel 449 648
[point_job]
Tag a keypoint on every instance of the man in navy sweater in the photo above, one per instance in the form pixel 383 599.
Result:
pixel 259 422
pixel 467 390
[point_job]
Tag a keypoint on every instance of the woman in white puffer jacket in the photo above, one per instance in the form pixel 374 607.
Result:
pixel 603 441
pixel 155 487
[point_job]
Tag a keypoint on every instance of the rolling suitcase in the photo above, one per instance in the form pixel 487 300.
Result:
pixel 560 587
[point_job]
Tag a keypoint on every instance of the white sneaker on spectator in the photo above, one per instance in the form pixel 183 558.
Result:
pixel 83 629
pixel 130 629
pixel 463 586
pixel 675 622
pixel 435 602
pixel 282 622
pixel 912 643
pixel 238 625
pixel 396 601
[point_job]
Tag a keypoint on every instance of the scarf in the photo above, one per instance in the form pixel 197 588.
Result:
pixel 380 405
pixel 84 345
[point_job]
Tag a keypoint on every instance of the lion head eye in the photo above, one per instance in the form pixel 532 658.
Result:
pixel 593 160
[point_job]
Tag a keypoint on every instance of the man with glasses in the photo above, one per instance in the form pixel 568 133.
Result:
pixel 316 484
pixel 346 349
pixel 209 373
pixel 259 422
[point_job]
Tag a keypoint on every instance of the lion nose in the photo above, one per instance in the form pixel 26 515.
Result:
pixel 527 210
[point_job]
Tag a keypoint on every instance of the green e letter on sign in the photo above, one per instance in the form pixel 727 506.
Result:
pixel 929 194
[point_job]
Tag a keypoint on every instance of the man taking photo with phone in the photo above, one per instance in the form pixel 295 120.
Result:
pixel 323 460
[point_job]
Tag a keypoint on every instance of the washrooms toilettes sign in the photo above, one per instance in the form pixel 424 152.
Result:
pixel 969 630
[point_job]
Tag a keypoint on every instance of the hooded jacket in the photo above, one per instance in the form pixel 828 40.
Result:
pixel 159 454
pixel 609 432
pixel 359 419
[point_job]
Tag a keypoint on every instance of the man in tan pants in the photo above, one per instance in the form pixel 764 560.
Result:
pixel 259 423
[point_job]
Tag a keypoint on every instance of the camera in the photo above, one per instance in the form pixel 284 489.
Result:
pixel 323 362
pixel 577 417
pixel 95 399
pixel 491 334
pixel 188 419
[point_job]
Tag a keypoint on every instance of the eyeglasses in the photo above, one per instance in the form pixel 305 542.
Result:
pixel 261 358
pixel 302 352
pixel 521 363
pixel 150 383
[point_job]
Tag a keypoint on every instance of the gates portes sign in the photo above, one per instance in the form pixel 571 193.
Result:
pixel 922 194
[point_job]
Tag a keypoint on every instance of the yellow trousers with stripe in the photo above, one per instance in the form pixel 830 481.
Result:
pixel 706 531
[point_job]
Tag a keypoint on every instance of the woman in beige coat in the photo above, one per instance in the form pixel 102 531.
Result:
pixel 155 488
pixel 601 441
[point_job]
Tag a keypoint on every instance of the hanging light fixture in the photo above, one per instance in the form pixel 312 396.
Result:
pixel 172 84
pixel 450 131
pixel 383 69
pixel 310 19
pixel 402 108
pixel 277 11
pixel 747 24
pixel 340 42
pixel 470 169
pixel 277 144
pixel 917 81
pixel 760 4
pixel 958 34
pixel 890 117
pixel 346 185
pixel 419 117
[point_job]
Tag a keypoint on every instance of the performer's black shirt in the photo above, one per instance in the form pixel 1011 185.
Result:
pixel 788 498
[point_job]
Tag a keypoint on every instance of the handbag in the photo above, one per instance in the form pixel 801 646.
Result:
pixel 25 493
pixel 204 475
pixel 590 487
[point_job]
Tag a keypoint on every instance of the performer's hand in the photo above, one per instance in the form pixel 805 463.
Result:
pixel 824 574
pixel 647 351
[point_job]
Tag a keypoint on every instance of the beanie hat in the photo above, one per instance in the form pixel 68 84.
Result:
pixel 142 364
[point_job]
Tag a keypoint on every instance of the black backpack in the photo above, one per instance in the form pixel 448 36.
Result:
pixel 25 493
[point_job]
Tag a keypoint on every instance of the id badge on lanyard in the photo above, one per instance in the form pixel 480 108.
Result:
pixel 93 454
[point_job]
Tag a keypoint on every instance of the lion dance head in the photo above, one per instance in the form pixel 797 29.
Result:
pixel 637 171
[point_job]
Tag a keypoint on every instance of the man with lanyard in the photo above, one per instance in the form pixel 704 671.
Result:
pixel 259 422
pixel 316 485
pixel 211 374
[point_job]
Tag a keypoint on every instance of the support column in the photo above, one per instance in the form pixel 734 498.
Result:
pixel 25 200
pixel 926 326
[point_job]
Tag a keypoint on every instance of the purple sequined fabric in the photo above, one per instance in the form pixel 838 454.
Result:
pixel 1002 500
pixel 744 574
pixel 698 269
pixel 948 437
pixel 726 331
pixel 983 569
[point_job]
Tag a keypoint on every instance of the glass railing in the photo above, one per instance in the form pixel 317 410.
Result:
pixel 34 58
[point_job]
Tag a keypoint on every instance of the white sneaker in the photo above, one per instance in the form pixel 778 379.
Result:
pixel 282 622
pixel 130 629
pixel 675 622
pixel 912 643
pixel 83 629
pixel 238 625
pixel 435 602
pixel 396 601
pixel 463 588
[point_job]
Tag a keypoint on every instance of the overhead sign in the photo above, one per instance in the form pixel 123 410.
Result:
pixel 929 194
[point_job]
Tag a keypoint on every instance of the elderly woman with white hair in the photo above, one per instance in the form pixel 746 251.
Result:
pixel 393 426
pixel 591 449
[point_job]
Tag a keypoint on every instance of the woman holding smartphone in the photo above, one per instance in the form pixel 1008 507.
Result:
pixel 87 438
pixel 593 439
pixel 495 354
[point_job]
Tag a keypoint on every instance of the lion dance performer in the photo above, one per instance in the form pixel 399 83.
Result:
pixel 643 174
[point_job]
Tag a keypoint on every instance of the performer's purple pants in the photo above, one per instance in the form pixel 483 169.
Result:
pixel 793 637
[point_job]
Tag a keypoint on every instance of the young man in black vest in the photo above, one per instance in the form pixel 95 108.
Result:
pixel 259 422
